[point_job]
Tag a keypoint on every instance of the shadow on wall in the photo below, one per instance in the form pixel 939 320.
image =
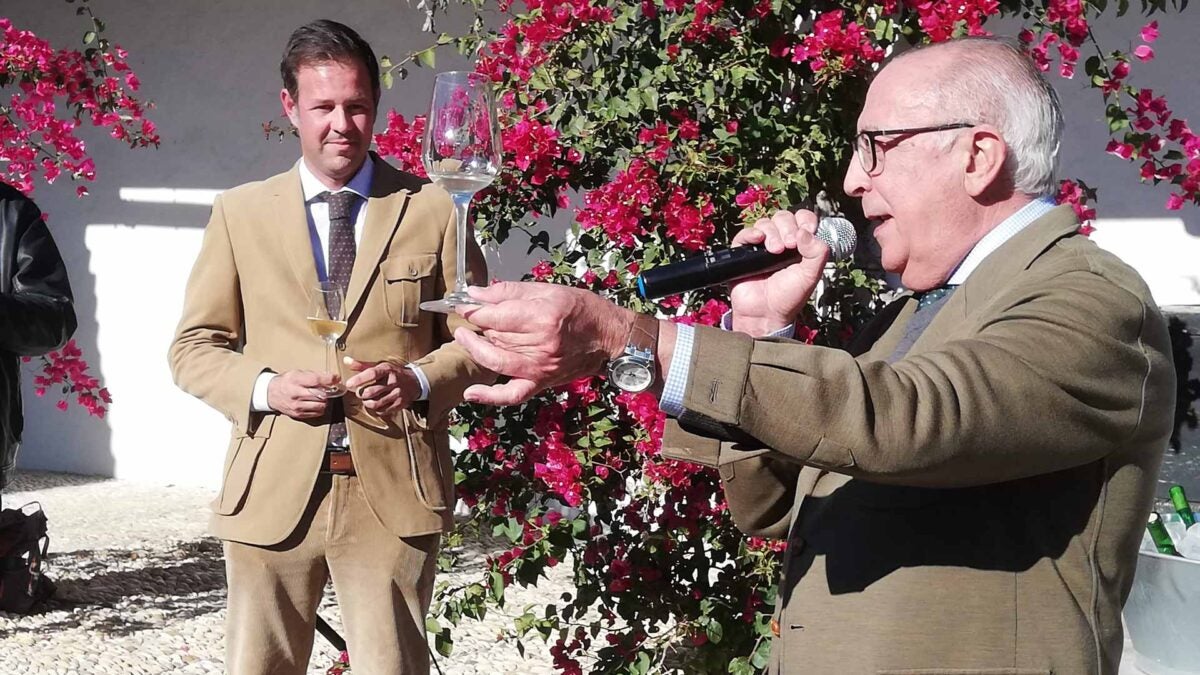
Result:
pixel 50 432
pixel 1182 461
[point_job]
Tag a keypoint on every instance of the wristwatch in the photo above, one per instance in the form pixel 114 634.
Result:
pixel 633 371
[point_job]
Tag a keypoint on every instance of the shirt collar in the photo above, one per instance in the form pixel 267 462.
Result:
pixel 360 184
pixel 1007 229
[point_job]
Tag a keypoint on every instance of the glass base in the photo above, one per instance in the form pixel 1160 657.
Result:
pixel 333 392
pixel 447 304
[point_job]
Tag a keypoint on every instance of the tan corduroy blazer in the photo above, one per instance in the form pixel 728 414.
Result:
pixel 974 507
pixel 244 313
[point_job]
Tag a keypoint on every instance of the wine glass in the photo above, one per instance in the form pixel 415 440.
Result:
pixel 327 319
pixel 461 152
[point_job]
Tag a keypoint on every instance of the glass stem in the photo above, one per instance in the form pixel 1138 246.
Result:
pixel 462 207
pixel 331 356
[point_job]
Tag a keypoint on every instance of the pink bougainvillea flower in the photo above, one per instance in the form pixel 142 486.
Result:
pixel 1150 32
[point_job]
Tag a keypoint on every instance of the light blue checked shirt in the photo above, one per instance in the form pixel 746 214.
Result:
pixel 671 402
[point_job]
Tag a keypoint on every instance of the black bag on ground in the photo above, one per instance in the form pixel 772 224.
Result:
pixel 23 547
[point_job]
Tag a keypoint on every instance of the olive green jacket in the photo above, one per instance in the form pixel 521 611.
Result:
pixel 975 506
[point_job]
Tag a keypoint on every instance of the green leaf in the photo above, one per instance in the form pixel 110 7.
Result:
pixel 426 57
pixel 89 37
pixel 738 74
pixel 443 643
pixel 642 665
pixel 650 98
pixel 497 585
pixel 741 666
pixel 762 654
pixel 714 631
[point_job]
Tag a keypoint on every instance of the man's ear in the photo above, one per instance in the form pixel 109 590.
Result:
pixel 985 163
pixel 289 106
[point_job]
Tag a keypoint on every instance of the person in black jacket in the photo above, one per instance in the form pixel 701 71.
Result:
pixel 36 308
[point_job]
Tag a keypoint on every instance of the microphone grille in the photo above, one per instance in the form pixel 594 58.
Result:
pixel 839 235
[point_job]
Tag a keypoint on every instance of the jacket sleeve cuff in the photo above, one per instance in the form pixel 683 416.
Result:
pixel 720 368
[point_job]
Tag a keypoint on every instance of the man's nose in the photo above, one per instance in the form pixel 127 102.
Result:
pixel 341 119
pixel 856 181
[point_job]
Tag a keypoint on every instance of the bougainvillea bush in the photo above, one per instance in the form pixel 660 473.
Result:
pixel 46 95
pixel 665 126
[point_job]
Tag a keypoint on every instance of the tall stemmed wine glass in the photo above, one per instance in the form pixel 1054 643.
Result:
pixel 461 151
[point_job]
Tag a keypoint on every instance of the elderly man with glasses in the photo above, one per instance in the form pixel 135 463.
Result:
pixel 964 490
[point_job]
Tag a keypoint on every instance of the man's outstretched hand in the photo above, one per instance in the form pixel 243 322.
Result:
pixel 540 335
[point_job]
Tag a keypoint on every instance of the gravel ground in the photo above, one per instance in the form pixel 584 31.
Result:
pixel 141 589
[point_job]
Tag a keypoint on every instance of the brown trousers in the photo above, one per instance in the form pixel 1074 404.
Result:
pixel 384 585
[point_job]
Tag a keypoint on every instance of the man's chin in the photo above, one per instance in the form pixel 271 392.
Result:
pixel 343 166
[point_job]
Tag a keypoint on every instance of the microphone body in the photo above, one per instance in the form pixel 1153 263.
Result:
pixel 723 266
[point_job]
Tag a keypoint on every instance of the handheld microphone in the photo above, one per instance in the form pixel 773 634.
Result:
pixel 718 267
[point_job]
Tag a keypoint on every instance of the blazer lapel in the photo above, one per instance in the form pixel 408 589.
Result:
pixel 1016 255
pixel 384 209
pixel 996 271
pixel 287 210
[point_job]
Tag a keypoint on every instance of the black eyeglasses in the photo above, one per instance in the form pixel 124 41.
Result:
pixel 866 145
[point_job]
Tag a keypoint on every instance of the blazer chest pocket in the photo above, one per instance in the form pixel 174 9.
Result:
pixel 408 281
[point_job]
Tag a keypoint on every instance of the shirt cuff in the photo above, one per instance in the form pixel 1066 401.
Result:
pixel 671 401
pixel 258 398
pixel 674 388
pixel 788 331
pixel 422 379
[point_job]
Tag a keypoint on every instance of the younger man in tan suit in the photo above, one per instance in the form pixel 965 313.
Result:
pixel 314 489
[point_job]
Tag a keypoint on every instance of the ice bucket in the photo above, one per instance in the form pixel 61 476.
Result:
pixel 1163 614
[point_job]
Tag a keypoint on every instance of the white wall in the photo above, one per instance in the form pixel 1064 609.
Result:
pixel 212 68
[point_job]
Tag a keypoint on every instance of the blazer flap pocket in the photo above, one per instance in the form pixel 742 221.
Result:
pixel 261 429
pixel 431 464
pixel 409 266
pixel 239 470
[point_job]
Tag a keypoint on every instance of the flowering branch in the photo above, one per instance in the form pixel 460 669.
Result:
pixel 67 370
pixel 54 92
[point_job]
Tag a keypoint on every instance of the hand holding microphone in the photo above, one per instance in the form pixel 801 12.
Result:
pixel 770 245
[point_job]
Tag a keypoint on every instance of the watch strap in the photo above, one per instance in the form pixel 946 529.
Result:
pixel 643 335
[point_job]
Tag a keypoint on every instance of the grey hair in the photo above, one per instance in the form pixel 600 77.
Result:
pixel 991 80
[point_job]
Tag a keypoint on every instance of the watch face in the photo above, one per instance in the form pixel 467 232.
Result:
pixel 629 375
